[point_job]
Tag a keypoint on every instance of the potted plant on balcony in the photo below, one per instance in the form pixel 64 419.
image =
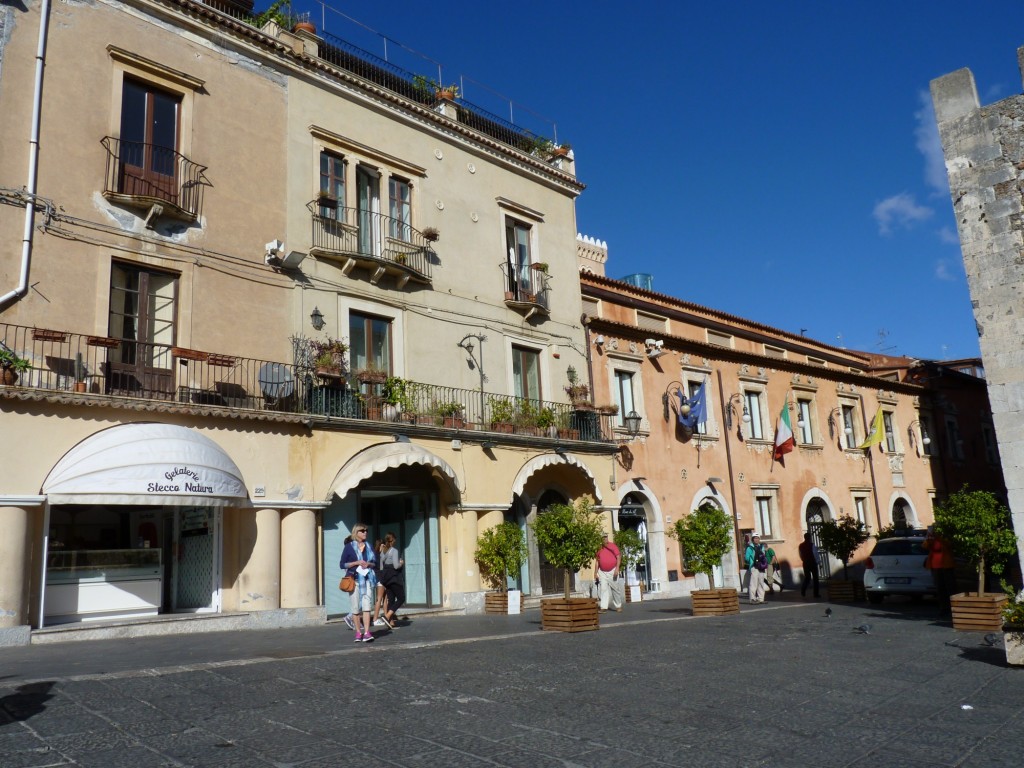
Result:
pixel 526 418
pixel 501 552
pixel 545 421
pixel 706 536
pixel 371 375
pixel 980 529
pixel 451 414
pixel 563 424
pixel 631 551
pixel 11 366
pixel 503 414
pixel 608 409
pixel 569 535
pixel 396 393
pixel 329 358
pixel 841 538
pixel 540 266
pixel 430 234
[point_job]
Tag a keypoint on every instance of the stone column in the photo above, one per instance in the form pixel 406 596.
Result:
pixel 259 560
pixel 298 559
pixel 14 562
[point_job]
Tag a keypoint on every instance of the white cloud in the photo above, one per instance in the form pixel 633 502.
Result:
pixel 949 236
pixel 944 270
pixel 926 135
pixel 901 211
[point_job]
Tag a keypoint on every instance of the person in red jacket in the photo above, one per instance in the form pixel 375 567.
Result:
pixel 943 567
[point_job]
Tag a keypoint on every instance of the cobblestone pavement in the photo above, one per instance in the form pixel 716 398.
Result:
pixel 779 685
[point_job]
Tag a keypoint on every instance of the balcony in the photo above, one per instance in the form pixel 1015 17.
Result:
pixel 382 244
pixel 155 178
pixel 526 290
pixel 102 368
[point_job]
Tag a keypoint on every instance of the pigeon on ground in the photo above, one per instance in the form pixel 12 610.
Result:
pixel 864 629
pixel 990 639
pixel 828 613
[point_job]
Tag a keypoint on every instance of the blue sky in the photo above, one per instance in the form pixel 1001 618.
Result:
pixel 777 161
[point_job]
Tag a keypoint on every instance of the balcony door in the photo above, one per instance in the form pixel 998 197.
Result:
pixel 143 308
pixel 149 141
pixel 368 211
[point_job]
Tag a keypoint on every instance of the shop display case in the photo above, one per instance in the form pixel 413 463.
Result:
pixel 92 584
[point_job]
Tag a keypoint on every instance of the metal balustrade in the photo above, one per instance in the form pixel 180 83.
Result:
pixel 148 174
pixel 101 366
pixel 343 232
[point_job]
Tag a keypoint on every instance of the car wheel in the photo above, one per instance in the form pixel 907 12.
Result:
pixel 874 598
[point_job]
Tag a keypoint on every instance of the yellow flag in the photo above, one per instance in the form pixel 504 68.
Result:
pixel 877 432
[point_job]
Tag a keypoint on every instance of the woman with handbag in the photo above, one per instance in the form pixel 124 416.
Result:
pixel 357 559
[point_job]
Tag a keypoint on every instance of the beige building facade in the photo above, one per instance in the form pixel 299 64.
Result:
pixel 194 209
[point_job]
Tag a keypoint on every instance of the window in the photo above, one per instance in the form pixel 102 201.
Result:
pixel 956 444
pixel 368 210
pixel 400 209
pixel 860 509
pixel 752 399
pixel 720 339
pixel 143 313
pixel 763 515
pixel 776 352
pixel 149 141
pixel 517 246
pixel 369 342
pixel 890 431
pixel 624 395
pixel 803 421
pixel 849 428
pixel 332 185
pixel 526 372
pixel 991 452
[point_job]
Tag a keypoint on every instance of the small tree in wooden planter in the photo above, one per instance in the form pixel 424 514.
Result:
pixel 500 552
pixel 706 536
pixel 981 531
pixel 841 538
pixel 569 534
pixel 631 550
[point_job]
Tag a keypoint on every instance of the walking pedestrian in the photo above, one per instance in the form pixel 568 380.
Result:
pixel 941 563
pixel 378 601
pixel 348 616
pixel 757 564
pixel 606 574
pixel 774 573
pixel 392 576
pixel 809 561
pixel 358 559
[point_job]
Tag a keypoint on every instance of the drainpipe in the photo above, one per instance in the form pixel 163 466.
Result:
pixel 33 162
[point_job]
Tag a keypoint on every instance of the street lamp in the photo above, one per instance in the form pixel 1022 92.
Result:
pixel 730 410
pixel 316 317
pixel 925 439
pixel 833 414
pixel 632 421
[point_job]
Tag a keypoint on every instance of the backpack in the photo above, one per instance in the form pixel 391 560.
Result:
pixel 760 560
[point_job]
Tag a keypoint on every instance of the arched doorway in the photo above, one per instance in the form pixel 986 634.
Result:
pixel 817 513
pixel 552 579
pixel 633 516
pixel 900 519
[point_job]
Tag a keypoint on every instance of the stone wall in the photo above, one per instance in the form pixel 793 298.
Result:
pixel 984 153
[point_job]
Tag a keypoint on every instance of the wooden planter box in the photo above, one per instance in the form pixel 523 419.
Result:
pixel 497 602
pixel 45 334
pixel 102 341
pixel 577 614
pixel 844 591
pixel 715 602
pixel 978 612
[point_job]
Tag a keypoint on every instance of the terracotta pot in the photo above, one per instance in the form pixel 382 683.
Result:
pixel 305 26
pixel 9 376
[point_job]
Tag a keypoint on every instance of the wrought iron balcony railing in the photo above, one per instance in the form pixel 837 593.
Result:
pixel 144 175
pixel 526 286
pixel 101 366
pixel 381 242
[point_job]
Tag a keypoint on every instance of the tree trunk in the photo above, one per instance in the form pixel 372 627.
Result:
pixel 981 575
pixel 567 590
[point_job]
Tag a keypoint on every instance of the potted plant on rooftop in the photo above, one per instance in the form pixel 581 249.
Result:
pixel 501 552
pixel 569 535
pixel 10 366
pixel 706 536
pixel 841 538
pixel 981 532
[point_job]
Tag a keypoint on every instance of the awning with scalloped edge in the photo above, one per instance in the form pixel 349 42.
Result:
pixel 378 458
pixel 551 459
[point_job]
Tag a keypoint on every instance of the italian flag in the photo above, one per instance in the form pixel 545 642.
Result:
pixel 784 442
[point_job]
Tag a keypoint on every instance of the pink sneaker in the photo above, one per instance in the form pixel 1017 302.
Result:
pixel 359 637
pixel 367 637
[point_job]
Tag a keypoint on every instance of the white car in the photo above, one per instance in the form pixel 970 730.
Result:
pixel 896 567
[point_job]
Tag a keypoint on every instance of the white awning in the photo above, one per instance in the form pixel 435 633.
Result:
pixel 538 463
pixel 159 464
pixel 378 458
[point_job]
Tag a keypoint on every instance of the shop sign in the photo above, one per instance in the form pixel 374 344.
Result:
pixel 181 480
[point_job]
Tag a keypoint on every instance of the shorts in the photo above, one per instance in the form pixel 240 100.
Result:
pixel 362 598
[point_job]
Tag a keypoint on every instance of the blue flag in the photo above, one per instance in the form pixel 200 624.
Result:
pixel 698 407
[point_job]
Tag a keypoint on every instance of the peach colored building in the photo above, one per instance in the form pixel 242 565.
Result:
pixel 645 349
